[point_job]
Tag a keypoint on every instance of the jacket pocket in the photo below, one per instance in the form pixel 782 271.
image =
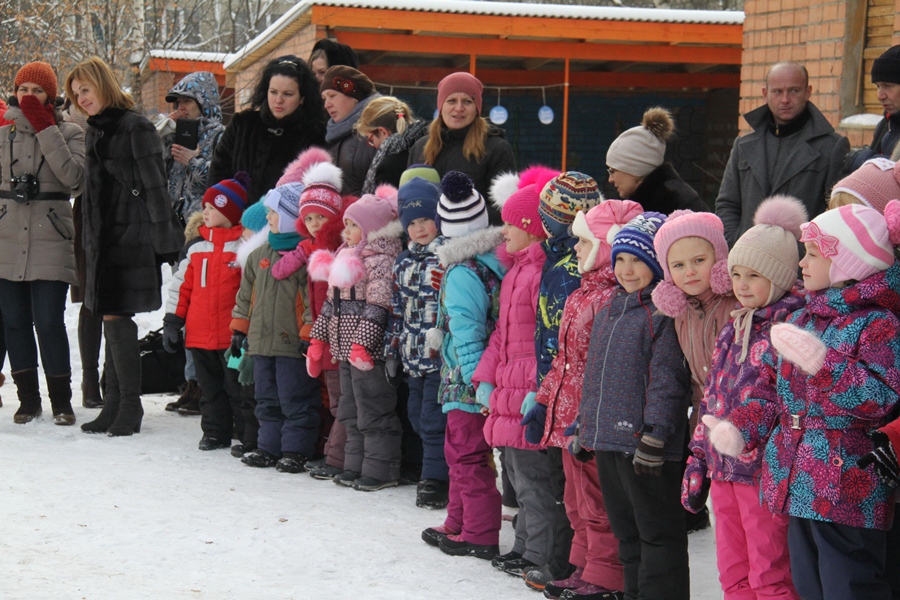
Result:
pixel 59 225
pixel 3 211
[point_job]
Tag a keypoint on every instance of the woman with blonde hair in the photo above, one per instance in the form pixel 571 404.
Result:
pixel 129 230
pixel 460 139
pixel 389 126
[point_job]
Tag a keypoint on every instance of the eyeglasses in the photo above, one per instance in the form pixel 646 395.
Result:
pixel 373 136
pixel 612 171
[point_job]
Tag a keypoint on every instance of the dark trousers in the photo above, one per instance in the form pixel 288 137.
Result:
pixel 30 306
pixel 410 442
pixel 287 405
pixel 90 334
pixel 831 561
pixel 647 518
pixel 337 437
pixel 220 405
pixel 892 557
pixel 2 343
pixel 430 422
pixel 248 412
pixel 368 411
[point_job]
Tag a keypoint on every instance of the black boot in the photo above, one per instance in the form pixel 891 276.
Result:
pixel 121 334
pixel 60 389
pixel 190 392
pixel 29 396
pixel 90 334
pixel 110 398
pixel 2 381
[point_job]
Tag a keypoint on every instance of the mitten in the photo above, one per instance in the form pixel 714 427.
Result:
pixel 393 372
pixel 237 343
pixel 41 116
pixel 725 437
pixel 884 457
pixel 694 485
pixel 303 347
pixel 360 358
pixel 172 326
pixel 289 263
pixel 483 394
pixel 534 423
pixel 573 444
pixel 648 457
pixel 528 403
pixel 314 355
pixel 802 348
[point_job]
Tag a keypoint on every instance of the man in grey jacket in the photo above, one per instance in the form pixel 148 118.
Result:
pixel 792 150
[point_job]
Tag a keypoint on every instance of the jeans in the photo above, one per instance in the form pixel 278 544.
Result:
pixel 40 306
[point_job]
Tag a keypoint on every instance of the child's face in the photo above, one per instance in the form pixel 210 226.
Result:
pixel 272 220
pixel 314 222
pixel 816 269
pixel 352 234
pixel 582 250
pixel 690 261
pixel 516 239
pixel 422 231
pixel 213 218
pixel 750 288
pixel 632 273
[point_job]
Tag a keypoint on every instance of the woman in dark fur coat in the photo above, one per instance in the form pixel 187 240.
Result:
pixel 637 169
pixel 129 230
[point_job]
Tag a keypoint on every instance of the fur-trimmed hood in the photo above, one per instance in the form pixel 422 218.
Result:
pixel 192 227
pixel 249 245
pixel 459 249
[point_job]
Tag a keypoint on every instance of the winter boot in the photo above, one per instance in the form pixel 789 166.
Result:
pixel 555 588
pixel 433 535
pixel 454 545
pixel 370 484
pixel 90 334
pixel 191 408
pixel 260 459
pixel 121 335
pixel 60 389
pixel 432 493
pixel 291 462
pixel 110 398
pixel 29 395
pixel 2 381
pixel 90 389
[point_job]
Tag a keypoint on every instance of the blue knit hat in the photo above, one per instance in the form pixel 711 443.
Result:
pixel 636 238
pixel 285 200
pixel 417 199
pixel 254 218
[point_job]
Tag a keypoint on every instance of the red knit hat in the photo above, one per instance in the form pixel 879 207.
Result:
pixel 460 82
pixel 229 197
pixel 40 73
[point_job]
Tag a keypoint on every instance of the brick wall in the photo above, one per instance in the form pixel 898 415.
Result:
pixel 154 86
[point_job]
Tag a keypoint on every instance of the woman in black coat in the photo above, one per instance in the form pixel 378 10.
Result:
pixel 129 229
pixel 388 125
pixel 285 118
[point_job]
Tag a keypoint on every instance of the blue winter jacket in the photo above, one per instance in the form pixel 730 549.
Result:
pixel 559 279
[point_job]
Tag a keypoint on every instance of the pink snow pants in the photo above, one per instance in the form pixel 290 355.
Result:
pixel 474 507
pixel 594 547
pixel 751 545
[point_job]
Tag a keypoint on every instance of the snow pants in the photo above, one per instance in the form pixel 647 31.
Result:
pixel 337 437
pixel 429 422
pixel 287 405
pixel 220 404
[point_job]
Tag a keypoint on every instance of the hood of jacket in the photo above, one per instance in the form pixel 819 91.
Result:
pixel 384 241
pixel 475 244
pixel 192 227
pixel 881 290
pixel 204 90
pixel 557 247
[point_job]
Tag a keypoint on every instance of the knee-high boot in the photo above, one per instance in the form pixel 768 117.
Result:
pixel 60 389
pixel 121 335
pixel 29 393
pixel 90 333
pixel 110 397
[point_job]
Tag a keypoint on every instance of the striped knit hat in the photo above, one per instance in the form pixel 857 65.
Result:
pixel 636 238
pixel 229 196
pixel 285 200
pixel 564 196
pixel 855 238
pixel 461 208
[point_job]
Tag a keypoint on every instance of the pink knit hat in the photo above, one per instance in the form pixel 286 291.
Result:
pixel 857 239
pixel 460 82
pixel 681 224
pixel 875 183
pixel 321 193
pixel 600 225
pixel 519 205
pixel 373 212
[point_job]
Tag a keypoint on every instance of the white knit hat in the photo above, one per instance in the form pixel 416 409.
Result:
pixel 642 149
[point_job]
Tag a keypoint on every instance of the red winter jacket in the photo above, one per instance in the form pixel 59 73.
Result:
pixel 203 290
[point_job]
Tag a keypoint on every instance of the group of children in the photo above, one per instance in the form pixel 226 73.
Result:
pixel 627 364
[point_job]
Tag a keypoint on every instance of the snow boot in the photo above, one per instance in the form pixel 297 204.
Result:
pixel 346 478
pixel 537 579
pixel 210 443
pixel 260 459
pixel 517 566
pixel 121 335
pixel 239 450
pixel 454 545
pixel 370 484
pixel 432 493
pixel 29 396
pixel 554 589
pixel 191 408
pixel 60 389
pixel 291 462
pixel 589 591
pixel 324 472
pixel 497 561
pixel 110 398
pixel 90 335
pixel 190 390
pixel 433 535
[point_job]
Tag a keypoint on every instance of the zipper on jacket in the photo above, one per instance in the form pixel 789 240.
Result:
pixel 58 225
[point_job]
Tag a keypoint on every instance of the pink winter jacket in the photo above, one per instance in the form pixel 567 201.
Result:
pixel 561 389
pixel 509 362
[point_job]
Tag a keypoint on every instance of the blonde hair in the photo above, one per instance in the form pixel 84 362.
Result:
pixel 97 73
pixel 386 111
pixel 839 199
pixel 473 146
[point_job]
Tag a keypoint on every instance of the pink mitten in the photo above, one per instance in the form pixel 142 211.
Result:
pixel 360 358
pixel 802 348
pixel 725 437
pixel 289 263
pixel 314 356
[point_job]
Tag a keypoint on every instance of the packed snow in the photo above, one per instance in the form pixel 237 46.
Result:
pixel 151 516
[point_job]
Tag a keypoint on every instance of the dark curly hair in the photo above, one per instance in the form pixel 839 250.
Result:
pixel 312 109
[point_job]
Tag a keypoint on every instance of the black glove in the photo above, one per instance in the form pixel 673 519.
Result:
pixel 393 371
pixel 648 458
pixel 303 347
pixel 237 343
pixel 171 337
pixel 883 457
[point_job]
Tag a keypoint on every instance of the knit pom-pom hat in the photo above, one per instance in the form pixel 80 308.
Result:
pixel 636 238
pixel 875 183
pixel 770 246
pixel 373 212
pixel 599 226
pixel 642 149
pixel 564 196
pixel 520 207
pixel 321 192
pixel 681 224
pixel 461 208
pixel 229 196
pixel 297 168
pixel 858 239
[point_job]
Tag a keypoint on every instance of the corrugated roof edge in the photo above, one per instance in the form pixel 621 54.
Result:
pixel 190 55
pixel 518 9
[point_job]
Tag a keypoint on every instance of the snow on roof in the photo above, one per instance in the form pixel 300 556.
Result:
pixel 511 9
pixel 216 57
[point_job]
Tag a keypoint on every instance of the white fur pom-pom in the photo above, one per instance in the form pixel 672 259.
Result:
pixel 503 186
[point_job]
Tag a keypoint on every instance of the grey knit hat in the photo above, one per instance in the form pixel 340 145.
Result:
pixel 642 149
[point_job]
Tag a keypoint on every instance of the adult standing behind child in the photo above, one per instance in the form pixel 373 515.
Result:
pixel 389 126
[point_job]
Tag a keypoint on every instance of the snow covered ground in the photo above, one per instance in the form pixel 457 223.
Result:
pixel 150 516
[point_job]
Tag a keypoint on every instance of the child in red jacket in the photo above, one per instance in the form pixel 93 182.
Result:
pixel 201 298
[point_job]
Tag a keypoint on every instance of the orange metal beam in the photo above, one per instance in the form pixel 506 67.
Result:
pixel 565 123
pixel 653 53
pixel 534 27
pixel 390 74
